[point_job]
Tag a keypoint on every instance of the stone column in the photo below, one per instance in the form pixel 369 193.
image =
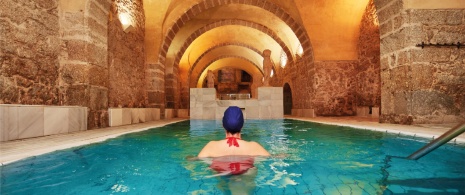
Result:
pixel 83 59
pixel 421 85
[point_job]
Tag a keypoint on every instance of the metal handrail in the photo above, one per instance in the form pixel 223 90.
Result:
pixel 444 138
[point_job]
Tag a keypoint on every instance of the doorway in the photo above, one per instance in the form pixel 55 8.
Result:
pixel 287 98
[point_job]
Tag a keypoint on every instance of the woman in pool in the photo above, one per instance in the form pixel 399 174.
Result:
pixel 233 120
pixel 233 156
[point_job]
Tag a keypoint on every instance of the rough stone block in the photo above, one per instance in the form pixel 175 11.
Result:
pixel 401 100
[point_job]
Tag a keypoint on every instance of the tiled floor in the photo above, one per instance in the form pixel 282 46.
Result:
pixel 15 150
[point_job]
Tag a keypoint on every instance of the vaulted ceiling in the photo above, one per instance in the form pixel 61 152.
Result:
pixel 197 35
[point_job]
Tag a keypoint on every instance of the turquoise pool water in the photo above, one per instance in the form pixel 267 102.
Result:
pixel 319 159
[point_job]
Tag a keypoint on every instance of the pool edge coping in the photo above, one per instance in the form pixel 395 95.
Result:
pixel 98 139
pixel 381 129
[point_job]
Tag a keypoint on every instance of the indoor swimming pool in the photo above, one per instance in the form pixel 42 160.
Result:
pixel 308 158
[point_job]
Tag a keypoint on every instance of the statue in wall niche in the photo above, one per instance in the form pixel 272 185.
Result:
pixel 210 79
pixel 267 66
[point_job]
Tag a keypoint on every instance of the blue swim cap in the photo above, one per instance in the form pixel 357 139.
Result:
pixel 233 120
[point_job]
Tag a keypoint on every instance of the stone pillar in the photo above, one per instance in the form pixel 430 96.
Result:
pixel 83 58
pixel 368 83
pixel 421 85
pixel 155 75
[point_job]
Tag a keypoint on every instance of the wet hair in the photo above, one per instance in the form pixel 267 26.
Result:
pixel 233 119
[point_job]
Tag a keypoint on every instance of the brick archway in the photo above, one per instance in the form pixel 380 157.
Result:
pixel 218 24
pixel 223 45
pixel 298 30
pixel 194 79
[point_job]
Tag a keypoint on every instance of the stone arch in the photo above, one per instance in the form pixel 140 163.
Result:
pixel 298 29
pixel 195 78
pixel 222 45
pixel 220 23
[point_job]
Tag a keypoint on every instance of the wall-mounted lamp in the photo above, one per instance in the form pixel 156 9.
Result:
pixel 126 22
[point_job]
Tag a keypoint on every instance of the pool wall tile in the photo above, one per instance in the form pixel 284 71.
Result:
pixel 196 113
pixel 31 121
pixel 303 112
pixel 183 113
pixel 127 116
pixel 156 113
pixel 142 118
pixel 148 114
pixel 264 93
pixel 169 113
pixel 276 111
pixel 115 116
pixel 56 120
pixel 209 113
pixel 135 116
pixel 364 111
pixel 8 123
pixel 264 111
pixel 26 121
pixel 269 104
pixel 219 112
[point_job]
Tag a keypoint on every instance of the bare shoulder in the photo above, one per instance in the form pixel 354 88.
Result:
pixel 259 150
pixel 208 149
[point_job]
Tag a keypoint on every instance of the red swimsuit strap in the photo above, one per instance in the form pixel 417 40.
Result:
pixel 233 141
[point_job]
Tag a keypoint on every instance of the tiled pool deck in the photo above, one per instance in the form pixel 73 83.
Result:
pixel 11 151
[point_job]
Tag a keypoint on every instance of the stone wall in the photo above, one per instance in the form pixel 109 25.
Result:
pixel 83 77
pixel 300 76
pixel 368 88
pixel 68 53
pixel 29 52
pixel 421 85
pixel 126 54
pixel 335 88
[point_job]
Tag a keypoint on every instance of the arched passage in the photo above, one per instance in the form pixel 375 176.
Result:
pixel 287 99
